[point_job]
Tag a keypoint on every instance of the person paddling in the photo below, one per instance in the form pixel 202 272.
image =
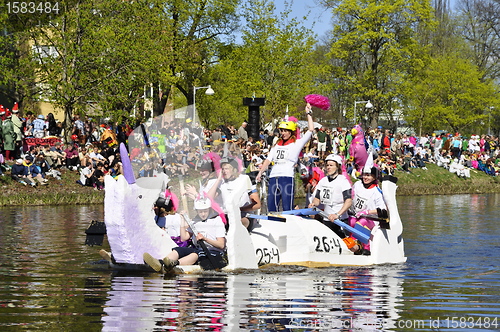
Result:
pixel 210 229
pixel 335 194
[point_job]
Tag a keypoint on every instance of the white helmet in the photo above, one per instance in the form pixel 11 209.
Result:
pixel 334 157
pixel 202 203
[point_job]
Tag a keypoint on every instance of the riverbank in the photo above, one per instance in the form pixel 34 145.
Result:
pixel 434 181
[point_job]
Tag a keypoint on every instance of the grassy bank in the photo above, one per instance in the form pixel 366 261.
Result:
pixel 439 181
pixel 434 181
pixel 57 192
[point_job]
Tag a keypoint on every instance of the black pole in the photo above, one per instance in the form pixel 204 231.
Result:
pixel 254 115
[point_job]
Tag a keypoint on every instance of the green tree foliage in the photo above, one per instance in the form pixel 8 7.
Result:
pixel 86 50
pixel 449 94
pixel 375 44
pixel 274 60
pixel 105 52
pixel 17 71
pixel 196 28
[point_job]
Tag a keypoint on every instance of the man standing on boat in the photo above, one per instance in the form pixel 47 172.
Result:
pixel 285 155
pixel 231 181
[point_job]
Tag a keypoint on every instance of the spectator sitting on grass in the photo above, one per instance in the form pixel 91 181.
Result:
pixel 87 176
pixel 72 158
pixel 19 173
pixel 58 155
pixel 33 172
pixel 2 161
pixel 95 156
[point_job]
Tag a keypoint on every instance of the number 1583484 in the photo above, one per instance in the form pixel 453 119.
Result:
pixel 31 7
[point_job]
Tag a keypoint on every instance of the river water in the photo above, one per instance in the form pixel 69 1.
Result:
pixel 51 281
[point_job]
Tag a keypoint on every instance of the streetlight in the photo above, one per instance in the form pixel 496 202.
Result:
pixel 368 105
pixel 209 92
pixel 489 119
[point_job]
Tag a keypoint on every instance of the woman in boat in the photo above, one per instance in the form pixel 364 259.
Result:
pixel 208 179
pixel 207 227
pixel 285 155
pixel 335 194
pixel 368 200
pixel 166 218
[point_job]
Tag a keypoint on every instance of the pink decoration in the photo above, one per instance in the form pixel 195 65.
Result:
pixel 318 101
pixel 345 174
pixel 297 131
pixel 173 197
pixel 215 158
pixel 357 149
pixel 216 207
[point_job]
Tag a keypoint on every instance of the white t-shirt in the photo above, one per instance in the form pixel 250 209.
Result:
pixel 173 224
pixel 286 156
pixel 367 199
pixel 229 188
pixel 205 188
pixel 83 175
pixel 211 229
pixel 330 193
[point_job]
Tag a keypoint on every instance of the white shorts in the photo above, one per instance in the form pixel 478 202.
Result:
pixel 321 146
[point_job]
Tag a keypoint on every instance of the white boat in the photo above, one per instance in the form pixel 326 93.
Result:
pixel 283 239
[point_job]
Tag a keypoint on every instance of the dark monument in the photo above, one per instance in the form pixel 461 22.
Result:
pixel 254 104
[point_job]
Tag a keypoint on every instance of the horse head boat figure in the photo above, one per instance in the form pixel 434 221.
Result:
pixel 215 224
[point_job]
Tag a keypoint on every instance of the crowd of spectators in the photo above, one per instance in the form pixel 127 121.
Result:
pixel 34 149
pixel 175 147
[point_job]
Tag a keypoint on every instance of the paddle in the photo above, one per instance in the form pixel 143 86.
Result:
pixel 183 193
pixel 301 212
pixel 383 222
pixel 212 264
pixel 203 246
pixel 359 232
pixel 273 218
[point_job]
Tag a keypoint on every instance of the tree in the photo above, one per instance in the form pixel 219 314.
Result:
pixel 196 27
pixel 274 60
pixel 480 27
pixel 376 45
pixel 86 48
pixel 17 74
pixel 448 95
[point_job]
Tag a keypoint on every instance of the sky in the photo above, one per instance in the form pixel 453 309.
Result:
pixel 318 15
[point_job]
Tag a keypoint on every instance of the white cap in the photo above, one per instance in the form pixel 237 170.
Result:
pixel 202 203
pixel 334 157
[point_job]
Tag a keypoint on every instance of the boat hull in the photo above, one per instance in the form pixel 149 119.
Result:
pixel 287 239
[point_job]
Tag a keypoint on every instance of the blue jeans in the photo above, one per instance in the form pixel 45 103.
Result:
pixel 280 189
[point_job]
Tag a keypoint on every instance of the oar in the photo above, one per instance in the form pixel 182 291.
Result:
pixel 183 193
pixel 184 207
pixel 202 243
pixel 273 218
pixel 383 222
pixel 359 232
pixel 301 212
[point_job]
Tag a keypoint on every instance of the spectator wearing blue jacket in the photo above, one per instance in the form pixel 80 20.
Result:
pixel 19 173
pixel 33 172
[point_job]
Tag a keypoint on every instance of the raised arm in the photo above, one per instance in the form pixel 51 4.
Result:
pixel 310 123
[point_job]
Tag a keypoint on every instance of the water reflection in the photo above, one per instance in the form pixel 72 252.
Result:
pixel 52 281
pixel 366 298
